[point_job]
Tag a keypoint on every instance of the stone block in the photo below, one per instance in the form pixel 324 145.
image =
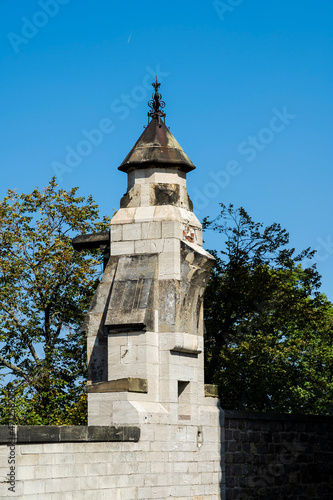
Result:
pixel 182 490
pixel 101 418
pixel 64 495
pixel 6 434
pixel 157 468
pixel 132 232
pixel 142 247
pixel 157 246
pixel 116 232
pixel 114 355
pixel 189 217
pixel 207 477
pixel 70 433
pixel 152 338
pixel 145 195
pixel 129 354
pixel 63 458
pixel 128 481
pixel 168 266
pixel 172 229
pixel 138 175
pixel 71 470
pixel 34 487
pixel 167 213
pixel 37 433
pixel 96 469
pixel 172 245
pixel 198 236
pixel 104 482
pixel 185 342
pixel 151 230
pixel 170 176
pixel 118 339
pixel 144 493
pixel 26 460
pixel 24 473
pixel 124 216
pixel 99 301
pixel 211 391
pixel 144 214
pixel 148 246
pixel 128 384
pixel 29 449
pixel 44 471
pixel 69 484
pixel 122 248
pixel 129 493
pixel 152 355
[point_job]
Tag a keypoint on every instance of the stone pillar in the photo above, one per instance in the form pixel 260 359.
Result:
pixel 145 328
pixel 149 351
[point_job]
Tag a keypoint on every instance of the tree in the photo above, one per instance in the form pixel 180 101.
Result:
pixel 45 290
pixel 269 331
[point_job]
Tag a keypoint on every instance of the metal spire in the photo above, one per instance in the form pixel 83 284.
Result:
pixel 156 105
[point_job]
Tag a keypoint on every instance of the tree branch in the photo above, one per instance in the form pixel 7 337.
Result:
pixel 14 368
pixel 24 336
pixel 47 324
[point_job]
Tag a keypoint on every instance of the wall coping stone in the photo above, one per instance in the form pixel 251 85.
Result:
pixel 67 433
pixel 249 415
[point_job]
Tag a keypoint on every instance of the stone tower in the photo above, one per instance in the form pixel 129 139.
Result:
pixel 145 325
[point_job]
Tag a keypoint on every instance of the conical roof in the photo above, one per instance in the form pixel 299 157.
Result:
pixel 156 146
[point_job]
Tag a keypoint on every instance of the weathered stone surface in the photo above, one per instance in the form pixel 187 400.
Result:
pixel 211 391
pixel 70 434
pixel 181 301
pixel 94 325
pixel 7 433
pixel 37 433
pixel 99 433
pixel 131 300
pixel 93 240
pixel 165 194
pixel 156 146
pixel 128 384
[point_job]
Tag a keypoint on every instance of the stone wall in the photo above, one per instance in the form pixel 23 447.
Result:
pixel 278 457
pixel 113 463
pixel 266 456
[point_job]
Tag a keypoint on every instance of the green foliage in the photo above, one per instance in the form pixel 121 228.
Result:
pixel 45 290
pixel 269 338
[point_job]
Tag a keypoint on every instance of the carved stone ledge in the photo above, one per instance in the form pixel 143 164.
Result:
pixel 211 391
pixel 128 384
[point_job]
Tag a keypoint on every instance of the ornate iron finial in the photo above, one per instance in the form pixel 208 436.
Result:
pixel 156 105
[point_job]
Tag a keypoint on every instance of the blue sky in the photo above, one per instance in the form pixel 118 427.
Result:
pixel 248 91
